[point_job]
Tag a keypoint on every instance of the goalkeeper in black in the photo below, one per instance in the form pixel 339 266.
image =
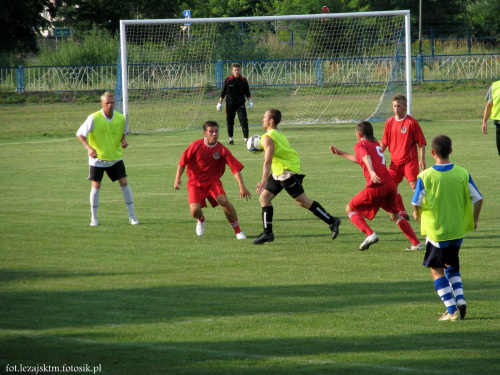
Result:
pixel 235 89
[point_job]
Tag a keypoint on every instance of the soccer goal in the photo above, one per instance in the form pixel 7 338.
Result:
pixel 317 69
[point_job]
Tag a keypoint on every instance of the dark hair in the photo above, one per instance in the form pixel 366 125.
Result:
pixel 275 114
pixel 441 145
pixel 209 124
pixel 236 65
pixel 366 129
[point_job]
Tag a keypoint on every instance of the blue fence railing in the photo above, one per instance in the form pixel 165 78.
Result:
pixel 425 68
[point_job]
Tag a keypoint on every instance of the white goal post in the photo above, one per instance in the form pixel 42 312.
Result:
pixel 317 69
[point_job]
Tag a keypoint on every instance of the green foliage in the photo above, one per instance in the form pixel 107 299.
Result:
pixel 94 48
pixel 20 21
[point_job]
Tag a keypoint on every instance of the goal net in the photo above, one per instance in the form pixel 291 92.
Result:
pixel 316 69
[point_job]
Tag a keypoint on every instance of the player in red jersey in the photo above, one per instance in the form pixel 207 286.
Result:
pixel 380 190
pixel 402 135
pixel 206 161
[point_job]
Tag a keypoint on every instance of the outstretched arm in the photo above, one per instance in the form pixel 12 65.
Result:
pixel 337 151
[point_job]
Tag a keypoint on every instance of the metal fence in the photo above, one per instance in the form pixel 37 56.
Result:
pixel 425 68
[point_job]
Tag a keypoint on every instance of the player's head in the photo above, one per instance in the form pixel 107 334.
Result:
pixel 399 105
pixel 108 103
pixel 365 130
pixel 272 117
pixel 211 132
pixel 441 145
pixel 236 69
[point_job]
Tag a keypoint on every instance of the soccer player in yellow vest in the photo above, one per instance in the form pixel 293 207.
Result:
pixel 281 170
pixel 447 204
pixel 104 135
pixel 492 110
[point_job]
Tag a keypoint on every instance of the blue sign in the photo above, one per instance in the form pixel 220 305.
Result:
pixel 187 15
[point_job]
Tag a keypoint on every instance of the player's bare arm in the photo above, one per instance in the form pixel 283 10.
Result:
pixel 268 159
pixel 373 176
pixel 416 213
pixel 486 116
pixel 244 193
pixel 337 151
pixel 180 171
pixel 124 140
pixel 92 153
pixel 422 164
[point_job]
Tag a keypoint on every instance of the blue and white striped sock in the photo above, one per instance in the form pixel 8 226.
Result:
pixel 455 281
pixel 444 291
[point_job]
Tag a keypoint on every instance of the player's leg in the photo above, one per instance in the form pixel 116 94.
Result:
pixel 230 115
pixel 231 215
pixel 243 118
pixel 455 280
pixel 397 173
pixel 359 208
pixel 117 173
pixel 435 259
pixel 272 189
pixel 389 204
pixel 95 175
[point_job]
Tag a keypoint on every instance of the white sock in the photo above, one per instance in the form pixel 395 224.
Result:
pixel 94 202
pixel 127 196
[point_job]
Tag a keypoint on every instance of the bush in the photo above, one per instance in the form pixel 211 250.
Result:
pixel 96 47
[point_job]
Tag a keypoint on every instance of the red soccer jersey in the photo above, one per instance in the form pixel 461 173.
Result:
pixel 206 164
pixel 402 138
pixel 373 149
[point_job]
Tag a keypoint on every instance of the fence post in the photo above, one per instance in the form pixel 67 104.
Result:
pixel 219 71
pixel 318 70
pixel 432 41
pixel 468 40
pixel 20 79
pixel 419 69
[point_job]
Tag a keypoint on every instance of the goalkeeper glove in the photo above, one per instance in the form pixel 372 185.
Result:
pixel 250 104
pixel 219 106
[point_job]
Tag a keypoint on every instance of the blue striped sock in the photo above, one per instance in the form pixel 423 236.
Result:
pixel 444 291
pixel 455 281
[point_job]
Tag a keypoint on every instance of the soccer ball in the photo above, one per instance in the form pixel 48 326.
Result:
pixel 253 144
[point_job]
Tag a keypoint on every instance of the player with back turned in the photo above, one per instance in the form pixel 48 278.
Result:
pixel 380 190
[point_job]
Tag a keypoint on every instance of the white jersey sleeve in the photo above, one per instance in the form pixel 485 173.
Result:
pixel 86 127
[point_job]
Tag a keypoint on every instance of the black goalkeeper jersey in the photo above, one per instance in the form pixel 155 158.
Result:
pixel 235 90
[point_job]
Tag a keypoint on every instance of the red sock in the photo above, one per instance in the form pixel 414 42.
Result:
pixel 359 221
pixel 406 228
pixel 201 219
pixel 236 226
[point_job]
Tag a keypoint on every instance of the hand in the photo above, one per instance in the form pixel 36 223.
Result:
pixel 92 152
pixel 334 150
pixel 484 129
pixel 244 193
pixel 260 187
pixel 124 144
pixel 250 104
pixel 374 178
pixel 219 106
pixel 177 184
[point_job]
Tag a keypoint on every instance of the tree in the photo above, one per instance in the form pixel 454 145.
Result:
pixel 20 22
pixel 83 15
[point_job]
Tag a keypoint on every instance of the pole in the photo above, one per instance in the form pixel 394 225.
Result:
pixel 420 27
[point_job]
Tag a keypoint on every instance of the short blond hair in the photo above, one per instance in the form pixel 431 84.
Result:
pixel 107 94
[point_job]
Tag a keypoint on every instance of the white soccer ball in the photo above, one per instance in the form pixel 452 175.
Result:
pixel 253 144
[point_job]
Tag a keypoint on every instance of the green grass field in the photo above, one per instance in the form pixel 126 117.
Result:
pixel 157 299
